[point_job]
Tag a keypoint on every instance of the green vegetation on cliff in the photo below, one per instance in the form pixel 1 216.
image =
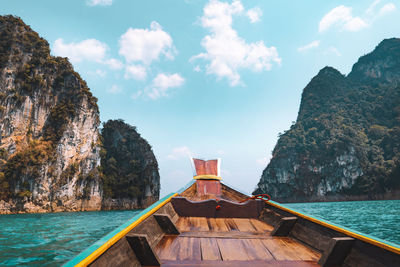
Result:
pixel 25 53
pixel 129 167
pixel 50 143
pixel 346 140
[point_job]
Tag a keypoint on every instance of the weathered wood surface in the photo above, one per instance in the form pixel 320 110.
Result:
pixel 166 224
pixel 207 189
pixel 232 195
pixel 231 249
pixel 319 237
pixel 338 249
pixel 122 254
pixel 143 251
pixel 284 226
pixel 271 217
pixel 225 241
pixel 219 225
pixel 212 208
pixel 227 193
pixel 252 263
pixel 236 234
pixel 364 254
pixel 190 192
pixel 221 240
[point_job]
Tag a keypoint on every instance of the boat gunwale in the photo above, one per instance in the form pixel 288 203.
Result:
pixel 95 250
pixel 387 245
pixel 99 247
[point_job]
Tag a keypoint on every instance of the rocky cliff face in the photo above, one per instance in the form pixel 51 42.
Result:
pixel 49 128
pixel 345 142
pixel 130 169
pixel 49 143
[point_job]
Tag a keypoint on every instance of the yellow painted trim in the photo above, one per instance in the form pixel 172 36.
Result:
pixel 95 254
pixel 207 177
pixel 339 229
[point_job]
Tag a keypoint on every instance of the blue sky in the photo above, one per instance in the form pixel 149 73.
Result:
pixel 207 78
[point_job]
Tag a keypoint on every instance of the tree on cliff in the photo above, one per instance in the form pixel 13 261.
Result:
pixel 346 140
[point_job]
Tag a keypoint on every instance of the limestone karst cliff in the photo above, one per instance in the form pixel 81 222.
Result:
pixel 129 167
pixel 49 122
pixel 345 144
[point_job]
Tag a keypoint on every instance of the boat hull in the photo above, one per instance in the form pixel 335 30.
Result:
pixel 207 226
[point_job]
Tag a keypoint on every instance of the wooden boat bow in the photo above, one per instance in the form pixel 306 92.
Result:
pixel 204 224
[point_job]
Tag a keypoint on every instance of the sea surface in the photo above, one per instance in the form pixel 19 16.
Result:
pixel 54 238
pixel 379 218
pixel 51 239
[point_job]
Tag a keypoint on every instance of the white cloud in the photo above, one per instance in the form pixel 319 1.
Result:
pixel 197 68
pixel 115 89
pixel 254 14
pixel 311 45
pixel 99 2
pixel 98 72
pixel 342 17
pixel 89 49
pixel 386 9
pixel 355 24
pixel 179 152
pixel 136 72
pixel 162 83
pixel 114 64
pixel 374 10
pixel 371 8
pixel 226 52
pixel 146 45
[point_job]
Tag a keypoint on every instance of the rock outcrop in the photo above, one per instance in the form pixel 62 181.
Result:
pixel 345 144
pixel 49 128
pixel 130 169
pixel 49 122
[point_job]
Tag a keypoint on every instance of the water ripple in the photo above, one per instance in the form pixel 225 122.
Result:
pixel 54 238
pixel 376 218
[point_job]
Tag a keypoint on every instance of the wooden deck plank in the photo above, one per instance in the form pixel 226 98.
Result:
pixel 279 250
pixel 198 224
pixel 304 252
pixel 189 248
pixel 271 263
pixel 209 249
pixel 230 224
pixel 256 250
pixel 183 224
pixel 261 226
pixel 244 225
pixel 167 248
pixel 232 249
pixel 232 240
pixel 233 234
pixel 217 225
pixel 291 249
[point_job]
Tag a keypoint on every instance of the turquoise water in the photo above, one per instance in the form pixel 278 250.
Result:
pixel 376 218
pixel 53 238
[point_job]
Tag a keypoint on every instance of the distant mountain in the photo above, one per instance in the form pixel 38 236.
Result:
pixel 345 144
pixel 50 142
